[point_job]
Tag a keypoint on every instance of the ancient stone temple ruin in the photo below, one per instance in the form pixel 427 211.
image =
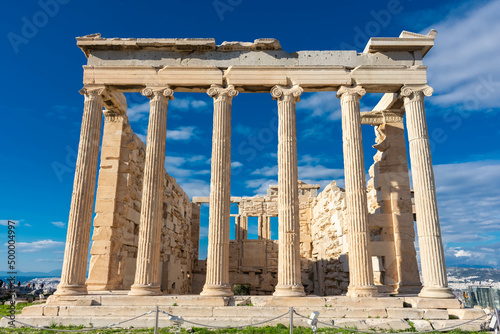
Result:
pixel 358 240
pixel 347 253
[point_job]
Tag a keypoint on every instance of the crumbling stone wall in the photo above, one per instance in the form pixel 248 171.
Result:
pixel 118 207
pixel 391 222
pixel 323 232
pixel 329 242
pixel 255 261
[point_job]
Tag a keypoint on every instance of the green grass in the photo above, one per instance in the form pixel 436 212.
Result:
pixel 5 309
pixel 279 329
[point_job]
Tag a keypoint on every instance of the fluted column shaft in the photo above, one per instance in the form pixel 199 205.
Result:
pixel 289 276
pixel 217 280
pixel 360 262
pixel 428 228
pixel 147 279
pixel 82 200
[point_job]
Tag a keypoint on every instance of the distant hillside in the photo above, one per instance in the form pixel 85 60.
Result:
pixel 476 274
pixel 53 273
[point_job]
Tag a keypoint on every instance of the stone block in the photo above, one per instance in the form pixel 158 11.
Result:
pixel 105 205
pixel 191 311
pixel 405 313
pixel 83 300
pixel 429 303
pixel 372 302
pixel 436 314
pixel 466 313
pixel 101 247
pixel 110 152
pixel 476 326
pixel 422 325
pixel 106 191
pixel 387 324
pixel 365 313
pixel 296 301
pixel 33 310
pixel 373 324
pixel 133 215
pixel 51 310
pixel 249 311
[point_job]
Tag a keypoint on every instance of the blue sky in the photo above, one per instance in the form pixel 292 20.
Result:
pixel 41 108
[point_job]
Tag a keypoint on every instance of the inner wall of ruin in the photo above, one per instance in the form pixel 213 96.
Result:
pixel 118 207
pixel 253 262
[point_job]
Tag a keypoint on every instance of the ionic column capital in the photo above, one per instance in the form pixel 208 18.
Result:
pixel 158 93
pixel 283 93
pixel 113 115
pixel 350 92
pixel 220 93
pixel 413 92
pixel 92 92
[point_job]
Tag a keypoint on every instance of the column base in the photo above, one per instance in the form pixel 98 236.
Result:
pixel 408 289
pixel 144 290
pixel 223 290
pixel 289 291
pixel 436 292
pixel 71 290
pixel 362 291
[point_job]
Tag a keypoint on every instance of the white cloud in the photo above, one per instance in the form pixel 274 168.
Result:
pixel 189 172
pixel 242 129
pixel 5 222
pixel 35 246
pixel 473 256
pixel 236 164
pixel 59 224
pixel 183 167
pixel 173 161
pixel 195 187
pixel 468 197
pixel 187 103
pixel 182 133
pixel 308 173
pixel 308 159
pixel 321 104
pixel 463 64
pixel 266 171
pixel 462 253
pixel 260 186
pixel 203 232
pixel 138 111
pixel 319 172
pixel 202 172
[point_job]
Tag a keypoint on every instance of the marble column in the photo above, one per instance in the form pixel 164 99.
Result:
pixel 429 231
pixel 217 281
pixel 82 200
pixel 360 262
pixel 147 278
pixel 289 275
